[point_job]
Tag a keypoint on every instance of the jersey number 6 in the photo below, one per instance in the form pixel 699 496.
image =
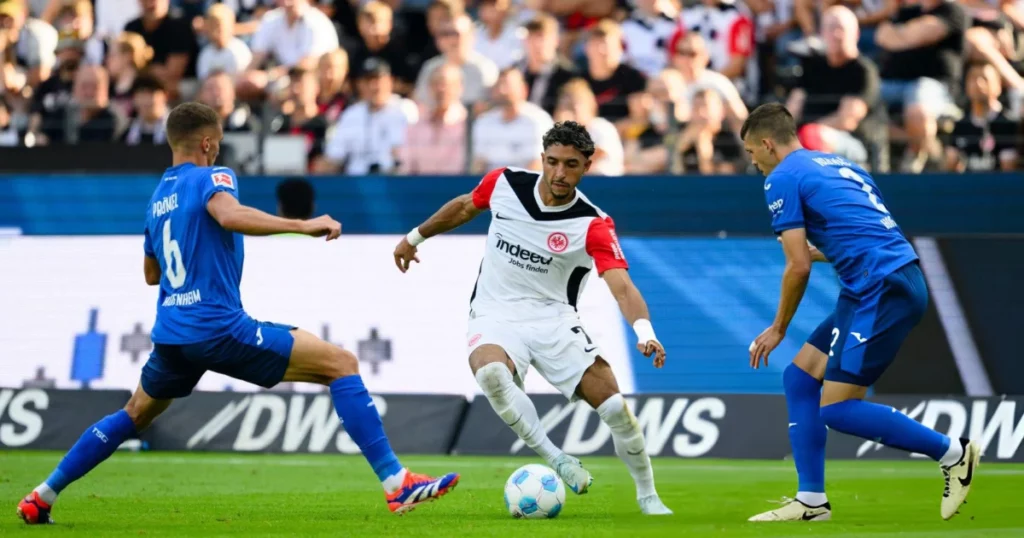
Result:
pixel 172 256
pixel 850 174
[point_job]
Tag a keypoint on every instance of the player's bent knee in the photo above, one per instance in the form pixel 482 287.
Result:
pixel 489 354
pixel 493 377
pixel 598 383
pixel 614 412
pixel 342 363
pixel 143 409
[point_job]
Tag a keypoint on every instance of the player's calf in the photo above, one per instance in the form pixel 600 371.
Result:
pixel 600 389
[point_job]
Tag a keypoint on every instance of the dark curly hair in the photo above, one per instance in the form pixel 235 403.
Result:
pixel 570 133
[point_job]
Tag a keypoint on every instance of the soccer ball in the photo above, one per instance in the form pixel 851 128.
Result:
pixel 534 492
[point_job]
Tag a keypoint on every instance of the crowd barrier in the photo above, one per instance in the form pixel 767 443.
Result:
pixel 675 425
pixel 922 204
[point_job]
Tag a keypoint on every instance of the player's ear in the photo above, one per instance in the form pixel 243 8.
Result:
pixel 586 165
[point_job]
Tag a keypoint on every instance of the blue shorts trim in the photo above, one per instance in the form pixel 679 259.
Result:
pixel 253 351
pixel 871 328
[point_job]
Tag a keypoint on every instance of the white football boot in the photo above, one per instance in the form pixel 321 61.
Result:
pixel 959 477
pixel 794 510
pixel 571 471
pixel 651 505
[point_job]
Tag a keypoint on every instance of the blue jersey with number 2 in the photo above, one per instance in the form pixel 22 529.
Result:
pixel 842 210
pixel 200 262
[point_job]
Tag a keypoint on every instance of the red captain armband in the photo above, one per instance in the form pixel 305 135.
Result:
pixel 603 245
pixel 482 192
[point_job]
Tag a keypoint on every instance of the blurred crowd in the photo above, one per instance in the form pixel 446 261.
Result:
pixel 456 86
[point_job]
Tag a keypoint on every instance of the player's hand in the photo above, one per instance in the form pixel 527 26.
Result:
pixel 405 254
pixel 653 347
pixel 763 345
pixel 322 226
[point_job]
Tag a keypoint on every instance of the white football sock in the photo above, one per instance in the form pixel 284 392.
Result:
pixel 813 499
pixel 394 482
pixel 629 443
pixel 46 493
pixel 953 454
pixel 516 409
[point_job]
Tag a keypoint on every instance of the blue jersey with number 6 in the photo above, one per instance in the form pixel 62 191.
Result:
pixel 842 210
pixel 200 262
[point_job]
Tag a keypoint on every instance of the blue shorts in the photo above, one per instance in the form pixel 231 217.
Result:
pixel 254 351
pixel 866 332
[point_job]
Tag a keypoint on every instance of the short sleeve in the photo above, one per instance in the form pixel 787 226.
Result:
pixel 482 192
pixel 219 179
pixel 741 37
pixel 603 245
pixel 261 39
pixel 147 245
pixel 782 192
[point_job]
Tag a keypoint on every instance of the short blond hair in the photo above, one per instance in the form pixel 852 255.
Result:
pixel 221 12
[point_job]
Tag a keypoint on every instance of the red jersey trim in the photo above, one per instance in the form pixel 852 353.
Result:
pixel 741 37
pixel 482 192
pixel 603 245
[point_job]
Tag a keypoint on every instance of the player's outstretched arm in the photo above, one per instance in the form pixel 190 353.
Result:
pixel 634 309
pixel 794 283
pixel 451 215
pixel 233 216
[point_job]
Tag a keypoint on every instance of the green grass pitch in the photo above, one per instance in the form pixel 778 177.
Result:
pixel 205 495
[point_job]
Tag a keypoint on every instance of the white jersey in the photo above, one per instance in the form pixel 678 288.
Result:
pixel 538 258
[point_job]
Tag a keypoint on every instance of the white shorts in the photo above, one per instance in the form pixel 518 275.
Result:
pixel 559 348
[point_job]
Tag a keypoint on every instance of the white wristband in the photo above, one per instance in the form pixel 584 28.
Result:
pixel 644 331
pixel 415 237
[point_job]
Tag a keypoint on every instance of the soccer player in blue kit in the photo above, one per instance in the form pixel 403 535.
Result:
pixel 821 199
pixel 193 251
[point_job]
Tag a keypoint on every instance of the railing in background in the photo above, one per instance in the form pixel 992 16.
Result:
pixel 660 205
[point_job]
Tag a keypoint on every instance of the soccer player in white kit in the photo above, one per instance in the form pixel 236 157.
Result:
pixel 544 240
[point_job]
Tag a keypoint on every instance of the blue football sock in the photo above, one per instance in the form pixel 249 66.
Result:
pixel 362 422
pixel 885 425
pixel 807 432
pixel 95 445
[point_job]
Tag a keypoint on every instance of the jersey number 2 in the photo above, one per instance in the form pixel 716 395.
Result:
pixel 850 174
pixel 172 256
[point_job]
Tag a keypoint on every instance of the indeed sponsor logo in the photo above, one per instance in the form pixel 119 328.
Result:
pixel 517 251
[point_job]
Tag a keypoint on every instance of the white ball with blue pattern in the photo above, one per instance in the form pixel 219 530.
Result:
pixel 534 492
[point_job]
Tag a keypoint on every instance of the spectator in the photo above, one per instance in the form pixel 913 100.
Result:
pixel 24 41
pixel 301 114
pixel 174 43
pixel 128 56
pixel 578 104
pixel 91 97
pixel 293 34
pixel 218 93
pixel 510 134
pixel 690 57
pixel 986 139
pixel 455 40
pixel 332 71
pixel 111 16
pixel 248 14
pixel 921 73
pixel 377 33
pixel 728 31
pixel 295 199
pixel 74 22
pixel 661 110
pixel 436 144
pixel 50 99
pixel 370 133
pixel 616 85
pixel 151 110
pixel 703 145
pixel 498 36
pixel 647 33
pixel 225 52
pixel 776 27
pixel 836 100
pixel 545 71
pixel 9 136
pixel 439 13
